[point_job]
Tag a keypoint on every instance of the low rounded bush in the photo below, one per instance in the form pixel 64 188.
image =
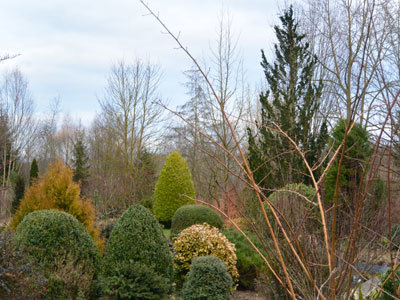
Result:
pixel 63 248
pixel 137 242
pixel 208 279
pixel 189 215
pixel 202 240
pixel 56 190
pixel 249 262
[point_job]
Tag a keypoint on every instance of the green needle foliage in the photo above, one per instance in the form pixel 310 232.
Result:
pixel 174 188
pixel 34 171
pixel 80 162
pixel 292 102
pixel 19 191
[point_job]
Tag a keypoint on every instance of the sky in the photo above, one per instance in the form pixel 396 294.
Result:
pixel 68 47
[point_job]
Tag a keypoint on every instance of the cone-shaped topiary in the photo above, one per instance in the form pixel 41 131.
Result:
pixel 137 242
pixel 64 250
pixel 208 278
pixel 174 188
pixel 189 215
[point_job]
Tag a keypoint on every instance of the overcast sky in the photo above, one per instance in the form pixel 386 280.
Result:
pixel 68 47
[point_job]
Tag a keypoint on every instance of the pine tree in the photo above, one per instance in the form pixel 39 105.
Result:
pixel 292 103
pixel 19 191
pixel 34 172
pixel 80 162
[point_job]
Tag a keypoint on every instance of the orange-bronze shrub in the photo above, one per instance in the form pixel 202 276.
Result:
pixel 56 190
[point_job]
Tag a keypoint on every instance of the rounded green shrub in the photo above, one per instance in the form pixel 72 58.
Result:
pixel 208 279
pixel 249 262
pixel 63 248
pixel 174 188
pixel 136 242
pixel 189 215
pixel 202 240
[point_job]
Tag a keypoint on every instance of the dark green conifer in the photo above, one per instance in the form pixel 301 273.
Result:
pixel 80 162
pixel 292 102
pixel 34 172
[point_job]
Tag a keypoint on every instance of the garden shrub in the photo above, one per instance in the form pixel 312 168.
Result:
pixel 189 215
pixel 136 241
pixel 19 278
pixel 63 248
pixel 249 262
pixel 134 280
pixel 202 240
pixel 56 190
pixel 174 188
pixel 208 279
pixel 388 287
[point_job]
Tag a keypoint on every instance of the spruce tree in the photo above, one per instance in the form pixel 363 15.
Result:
pixel 291 102
pixel 80 161
pixel 19 191
pixel 34 172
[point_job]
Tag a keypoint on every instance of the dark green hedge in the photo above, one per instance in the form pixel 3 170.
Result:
pixel 62 246
pixel 208 279
pixel 189 215
pixel 137 241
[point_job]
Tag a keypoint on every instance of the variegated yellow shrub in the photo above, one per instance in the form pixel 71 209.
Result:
pixel 202 240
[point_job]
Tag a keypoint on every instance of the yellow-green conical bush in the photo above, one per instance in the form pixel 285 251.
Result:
pixel 174 188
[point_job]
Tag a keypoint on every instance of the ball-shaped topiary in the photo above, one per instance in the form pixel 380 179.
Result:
pixel 207 279
pixel 62 246
pixel 138 239
pixel 189 215
pixel 174 188
pixel 202 240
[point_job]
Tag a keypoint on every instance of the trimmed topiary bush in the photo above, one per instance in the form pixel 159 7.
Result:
pixel 56 190
pixel 208 279
pixel 136 251
pixel 249 262
pixel 189 215
pixel 63 248
pixel 174 188
pixel 202 240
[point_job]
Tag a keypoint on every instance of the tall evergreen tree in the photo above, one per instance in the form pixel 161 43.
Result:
pixel 34 171
pixel 291 102
pixel 80 162
pixel 19 191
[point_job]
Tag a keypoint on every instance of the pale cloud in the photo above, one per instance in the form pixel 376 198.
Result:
pixel 67 47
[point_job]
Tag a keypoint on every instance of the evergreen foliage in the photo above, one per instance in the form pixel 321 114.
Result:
pixel 34 171
pixel 137 241
pixel 189 215
pixel 56 190
pixel 64 250
pixel 19 191
pixel 208 279
pixel 249 262
pixel 292 103
pixel 80 161
pixel 174 188
pixel 202 240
